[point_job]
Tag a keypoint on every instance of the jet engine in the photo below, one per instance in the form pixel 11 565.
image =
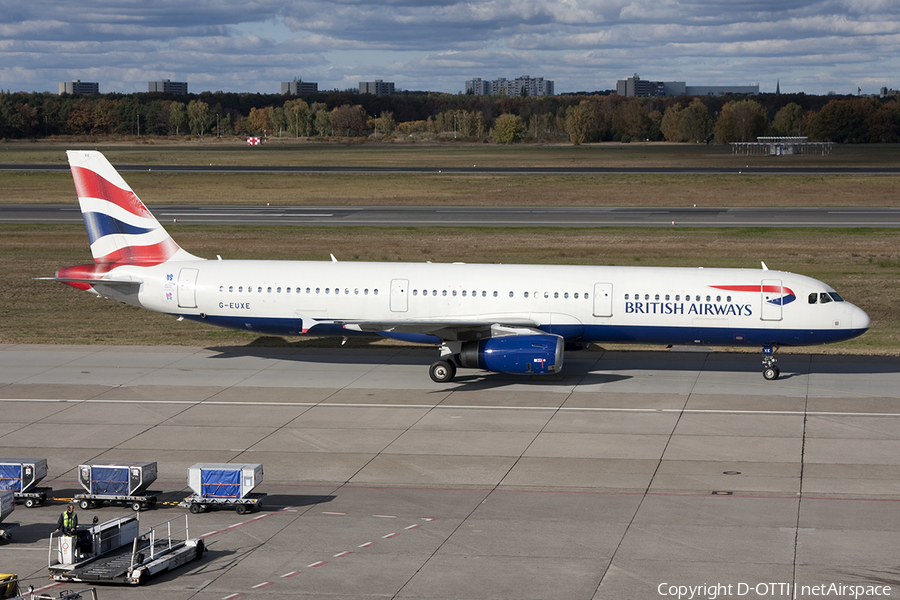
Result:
pixel 515 354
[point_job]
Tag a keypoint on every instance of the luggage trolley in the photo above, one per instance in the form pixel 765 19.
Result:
pixel 224 486
pixel 123 484
pixel 21 475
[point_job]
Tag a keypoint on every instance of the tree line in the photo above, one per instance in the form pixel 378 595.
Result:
pixel 576 118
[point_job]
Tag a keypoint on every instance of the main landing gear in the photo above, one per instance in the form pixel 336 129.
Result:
pixel 443 371
pixel 770 371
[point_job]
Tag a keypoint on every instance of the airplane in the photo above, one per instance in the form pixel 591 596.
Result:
pixel 505 318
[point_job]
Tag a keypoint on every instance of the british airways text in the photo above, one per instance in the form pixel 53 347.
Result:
pixel 680 308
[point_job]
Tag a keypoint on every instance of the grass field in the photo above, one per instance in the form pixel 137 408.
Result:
pixel 862 264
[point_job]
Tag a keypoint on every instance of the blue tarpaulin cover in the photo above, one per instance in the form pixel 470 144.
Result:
pixel 220 483
pixel 11 477
pixel 109 480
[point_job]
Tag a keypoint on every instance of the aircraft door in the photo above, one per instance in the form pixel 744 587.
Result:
pixel 603 300
pixel 399 295
pixel 187 288
pixel 772 296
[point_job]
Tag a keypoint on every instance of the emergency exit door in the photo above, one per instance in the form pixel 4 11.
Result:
pixel 187 288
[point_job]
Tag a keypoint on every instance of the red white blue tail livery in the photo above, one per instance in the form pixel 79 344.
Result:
pixel 498 317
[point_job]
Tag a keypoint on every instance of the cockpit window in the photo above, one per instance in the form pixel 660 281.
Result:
pixel 835 296
pixel 824 298
pixel 814 298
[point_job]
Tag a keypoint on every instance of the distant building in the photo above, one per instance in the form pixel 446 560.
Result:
pixel 524 85
pixel 377 87
pixel 635 86
pixel 886 93
pixel 168 87
pixel 299 88
pixel 77 87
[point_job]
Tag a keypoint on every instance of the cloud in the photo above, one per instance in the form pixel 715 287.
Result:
pixel 437 44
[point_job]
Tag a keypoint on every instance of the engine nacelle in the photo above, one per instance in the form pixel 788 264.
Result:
pixel 515 354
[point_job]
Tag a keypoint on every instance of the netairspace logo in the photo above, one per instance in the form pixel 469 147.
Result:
pixel 771 590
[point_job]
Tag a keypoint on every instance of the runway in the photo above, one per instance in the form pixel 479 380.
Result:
pixel 630 474
pixel 430 216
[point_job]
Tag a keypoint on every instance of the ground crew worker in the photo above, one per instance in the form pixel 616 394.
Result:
pixel 68 521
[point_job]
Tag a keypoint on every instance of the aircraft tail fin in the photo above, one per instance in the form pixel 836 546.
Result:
pixel 122 231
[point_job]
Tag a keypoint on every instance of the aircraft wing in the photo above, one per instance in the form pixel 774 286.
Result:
pixel 448 331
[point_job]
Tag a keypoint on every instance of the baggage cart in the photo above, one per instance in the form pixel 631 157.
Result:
pixel 21 475
pixel 224 486
pixel 7 506
pixel 123 484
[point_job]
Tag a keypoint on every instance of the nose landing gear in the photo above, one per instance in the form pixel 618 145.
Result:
pixel 770 371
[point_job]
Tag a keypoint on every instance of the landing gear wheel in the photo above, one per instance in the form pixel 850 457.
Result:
pixel 442 371
pixel 771 373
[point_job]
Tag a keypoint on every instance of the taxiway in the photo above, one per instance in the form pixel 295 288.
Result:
pixel 629 473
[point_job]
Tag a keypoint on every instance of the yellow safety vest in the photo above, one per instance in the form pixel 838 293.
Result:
pixel 68 521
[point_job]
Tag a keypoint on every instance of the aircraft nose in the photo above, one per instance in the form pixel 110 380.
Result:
pixel 859 319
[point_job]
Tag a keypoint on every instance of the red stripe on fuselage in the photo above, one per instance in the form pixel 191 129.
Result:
pixel 754 288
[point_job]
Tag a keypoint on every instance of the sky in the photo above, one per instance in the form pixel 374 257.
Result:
pixel 815 47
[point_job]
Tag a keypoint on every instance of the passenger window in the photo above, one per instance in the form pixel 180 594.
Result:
pixel 317 290
pixel 375 291
pixel 308 290
pixel 526 294
pixel 444 293
pixel 677 297
pixel 484 293
pixel 464 293
pixel 415 292
pixel 656 297
pixel 259 290
pixel 566 295
pixel 667 297
pixel 585 296
pixel 626 296
pixel 510 294
pixel 230 288
pixel 278 290
pixel 576 296
pixel 646 296
pixel 495 293
pixel 546 294
pixel 824 298
pixel 366 292
pixel 718 298
pixel 556 294
pixel 728 299
pixel 454 293
pixel 356 291
pixel 813 298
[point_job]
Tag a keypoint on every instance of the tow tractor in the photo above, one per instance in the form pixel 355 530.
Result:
pixel 117 552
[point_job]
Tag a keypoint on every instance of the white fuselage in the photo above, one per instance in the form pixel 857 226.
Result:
pixel 581 303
